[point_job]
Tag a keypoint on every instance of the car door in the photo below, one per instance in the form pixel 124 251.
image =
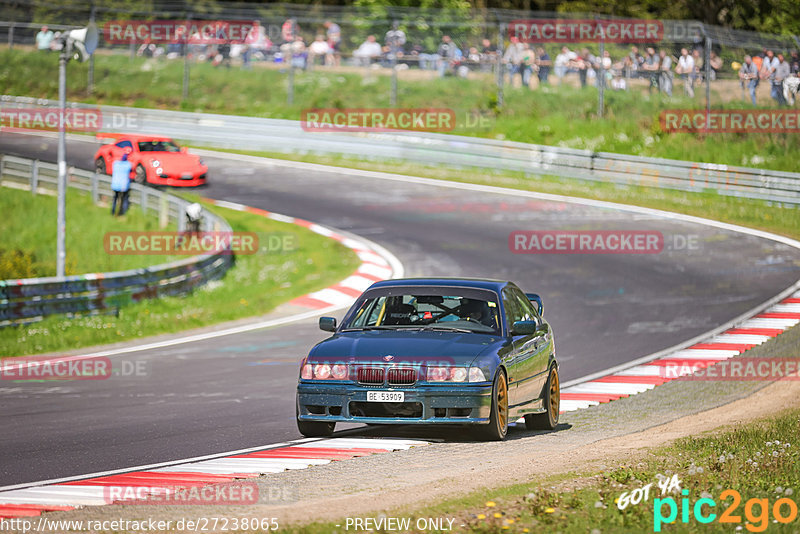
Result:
pixel 531 353
pixel 515 357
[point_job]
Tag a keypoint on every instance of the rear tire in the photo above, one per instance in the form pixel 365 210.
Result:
pixel 552 401
pixel 140 175
pixel 100 166
pixel 497 429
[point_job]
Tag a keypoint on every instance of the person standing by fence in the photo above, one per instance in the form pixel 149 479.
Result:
pixel 121 184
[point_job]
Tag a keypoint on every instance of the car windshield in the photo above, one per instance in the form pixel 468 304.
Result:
pixel 158 146
pixel 456 309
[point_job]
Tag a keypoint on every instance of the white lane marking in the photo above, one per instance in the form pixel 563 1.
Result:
pixel 280 217
pixel 257 465
pixel 782 324
pixel 356 282
pixel 58 495
pixel 785 308
pixel 333 297
pixel 375 270
pixel 138 468
pixel 321 230
pixel 265 461
pixel 740 338
pixel 643 370
pixel 702 354
pixel 363 443
pixel 230 205
pixel 371 257
pixel 608 387
pixel 774 322
pixel 207 469
pixel 572 405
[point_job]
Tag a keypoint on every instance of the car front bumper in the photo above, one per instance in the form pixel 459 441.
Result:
pixel 423 404
pixel 184 180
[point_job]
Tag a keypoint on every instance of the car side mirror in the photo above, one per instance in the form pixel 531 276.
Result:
pixel 537 300
pixel 543 328
pixel 327 324
pixel 184 149
pixel 524 328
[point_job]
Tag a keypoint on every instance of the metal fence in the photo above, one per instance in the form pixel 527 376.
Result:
pixel 28 300
pixel 479 44
pixel 274 135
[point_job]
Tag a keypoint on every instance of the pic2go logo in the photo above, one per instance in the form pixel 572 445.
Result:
pixel 756 511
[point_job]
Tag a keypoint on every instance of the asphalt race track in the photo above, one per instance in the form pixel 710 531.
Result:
pixel 238 391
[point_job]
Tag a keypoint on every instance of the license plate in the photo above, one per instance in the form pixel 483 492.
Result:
pixel 385 396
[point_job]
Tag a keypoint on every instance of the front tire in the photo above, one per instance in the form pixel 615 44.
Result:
pixel 552 401
pixel 140 175
pixel 315 429
pixel 497 428
pixel 100 166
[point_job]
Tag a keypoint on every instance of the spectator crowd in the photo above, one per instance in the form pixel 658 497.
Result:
pixel 520 63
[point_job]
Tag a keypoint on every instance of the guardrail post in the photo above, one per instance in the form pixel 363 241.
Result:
pixel 34 176
pixel 143 201
pixel 2 164
pixel 95 194
pixel 163 210
pixel 181 220
pixel 11 37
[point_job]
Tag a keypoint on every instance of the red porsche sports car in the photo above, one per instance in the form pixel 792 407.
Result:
pixel 155 160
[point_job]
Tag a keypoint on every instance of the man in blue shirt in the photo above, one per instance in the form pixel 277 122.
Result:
pixel 121 184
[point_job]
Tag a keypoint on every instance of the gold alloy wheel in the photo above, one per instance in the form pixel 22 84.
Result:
pixel 502 402
pixel 555 394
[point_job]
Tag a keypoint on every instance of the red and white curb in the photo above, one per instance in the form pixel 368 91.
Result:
pixel 374 264
pixel 742 336
pixel 96 489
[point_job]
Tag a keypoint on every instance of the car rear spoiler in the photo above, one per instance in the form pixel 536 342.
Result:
pixel 536 299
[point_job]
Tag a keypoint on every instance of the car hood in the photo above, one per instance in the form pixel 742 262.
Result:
pixel 444 348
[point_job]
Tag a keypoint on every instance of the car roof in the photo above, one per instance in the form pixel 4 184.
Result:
pixel 133 137
pixel 477 283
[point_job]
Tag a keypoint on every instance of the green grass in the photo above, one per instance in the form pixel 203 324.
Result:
pixel 254 286
pixel 760 460
pixel 757 214
pixel 563 116
pixel 34 235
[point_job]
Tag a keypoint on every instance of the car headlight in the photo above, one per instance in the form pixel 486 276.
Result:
pixel 447 374
pixel 155 163
pixel 324 371
pixel 159 171
pixel 476 375
pixel 200 161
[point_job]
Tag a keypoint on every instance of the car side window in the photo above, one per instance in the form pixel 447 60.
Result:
pixel 124 144
pixel 527 309
pixel 513 313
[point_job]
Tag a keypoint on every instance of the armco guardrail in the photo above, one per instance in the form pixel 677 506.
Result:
pixel 30 299
pixel 275 135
